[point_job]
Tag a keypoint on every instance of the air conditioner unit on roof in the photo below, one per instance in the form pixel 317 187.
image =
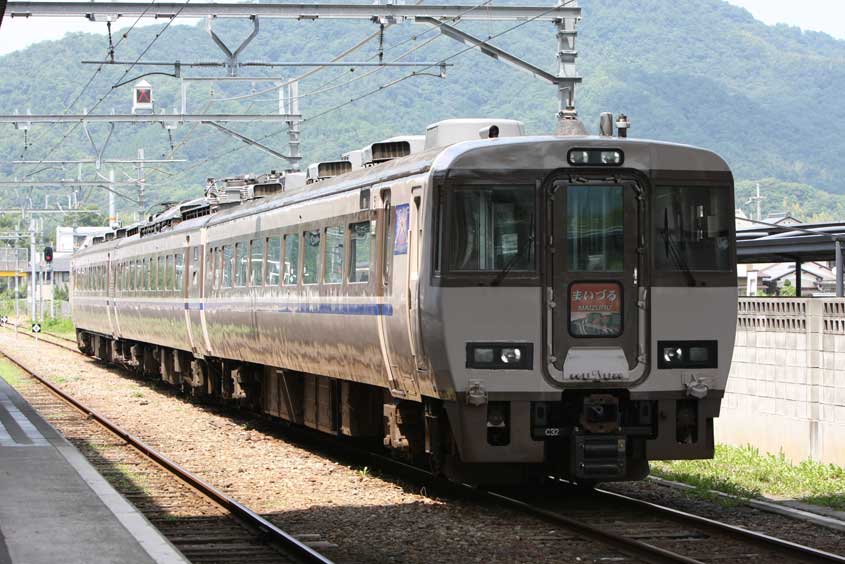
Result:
pixel 327 169
pixel 392 148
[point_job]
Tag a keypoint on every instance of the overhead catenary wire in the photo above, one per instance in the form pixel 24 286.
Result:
pixel 422 71
pixel 114 86
pixel 377 34
pixel 385 86
pixel 302 76
pixel 96 72
pixel 239 147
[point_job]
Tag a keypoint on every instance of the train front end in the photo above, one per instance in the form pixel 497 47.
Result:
pixel 580 305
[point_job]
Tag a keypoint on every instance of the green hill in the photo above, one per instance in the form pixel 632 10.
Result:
pixel 694 71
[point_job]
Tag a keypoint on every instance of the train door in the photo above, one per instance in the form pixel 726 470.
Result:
pixel 111 305
pixel 593 319
pixel 414 256
pixel 393 292
pixel 191 294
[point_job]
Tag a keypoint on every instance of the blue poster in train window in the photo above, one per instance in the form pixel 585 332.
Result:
pixel 401 221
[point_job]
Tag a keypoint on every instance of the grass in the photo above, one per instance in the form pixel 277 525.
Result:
pixel 11 373
pixel 746 472
pixel 61 327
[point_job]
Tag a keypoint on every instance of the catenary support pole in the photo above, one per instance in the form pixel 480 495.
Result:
pixel 112 212
pixel 32 264
pixel 797 278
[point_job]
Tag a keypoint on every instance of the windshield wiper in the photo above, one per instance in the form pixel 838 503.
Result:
pixel 672 250
pixel 511 263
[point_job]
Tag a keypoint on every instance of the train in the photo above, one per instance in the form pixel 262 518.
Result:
pixel 494 306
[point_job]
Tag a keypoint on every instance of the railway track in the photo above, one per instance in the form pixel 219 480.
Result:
pixel 658 534
pixel 207 526
pixel 640 530
pixel 53 339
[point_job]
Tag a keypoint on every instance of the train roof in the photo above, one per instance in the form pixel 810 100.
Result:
pixel 543 152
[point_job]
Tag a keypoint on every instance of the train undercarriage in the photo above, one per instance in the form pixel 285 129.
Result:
pixel 588 437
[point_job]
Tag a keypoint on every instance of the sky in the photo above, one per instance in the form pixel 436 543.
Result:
pixel 818 15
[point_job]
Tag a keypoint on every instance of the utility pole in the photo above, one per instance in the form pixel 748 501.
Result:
pixel 112 212
pixel 17 288
pixel 758 199
pixel 32 263
pixel 141 180
pixel 293 126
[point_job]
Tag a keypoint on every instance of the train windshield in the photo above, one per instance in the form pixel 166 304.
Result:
pixel 692 228
pixel 492 228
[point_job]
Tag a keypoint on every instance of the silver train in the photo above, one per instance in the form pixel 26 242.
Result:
pixel 496 306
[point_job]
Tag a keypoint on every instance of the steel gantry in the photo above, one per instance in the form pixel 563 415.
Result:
pixel 102 11
pixel 564 14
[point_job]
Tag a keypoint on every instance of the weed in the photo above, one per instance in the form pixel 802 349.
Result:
pixel 746 472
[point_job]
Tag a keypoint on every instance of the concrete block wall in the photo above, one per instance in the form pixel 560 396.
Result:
pixel 786 390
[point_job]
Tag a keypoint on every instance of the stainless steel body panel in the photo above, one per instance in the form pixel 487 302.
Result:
pixel 405 332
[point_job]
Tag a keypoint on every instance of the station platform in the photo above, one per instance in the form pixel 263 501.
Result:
pixel 56 508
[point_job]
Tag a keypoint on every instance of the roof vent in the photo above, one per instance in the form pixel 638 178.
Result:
pixel 451 131
pixel 393 148
pixel 327 169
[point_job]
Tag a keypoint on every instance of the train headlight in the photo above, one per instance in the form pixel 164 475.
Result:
pixel 673 355
pixel 596 157
pixel 687 354
pixel 612 158
pixel 511 355
pixel 501 356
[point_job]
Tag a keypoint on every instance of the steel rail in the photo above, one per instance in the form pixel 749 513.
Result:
pixel 794 550
pixel 631 547
pixel 626 545
pixel 271 532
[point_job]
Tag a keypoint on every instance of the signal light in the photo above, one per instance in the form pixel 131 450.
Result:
pixel 48 254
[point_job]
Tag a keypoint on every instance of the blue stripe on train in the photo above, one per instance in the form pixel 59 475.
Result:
pixel 328 308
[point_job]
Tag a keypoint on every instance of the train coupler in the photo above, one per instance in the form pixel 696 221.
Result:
pixel 599 457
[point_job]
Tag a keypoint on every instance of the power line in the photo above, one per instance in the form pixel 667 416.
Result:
pixel 369 38
pixel 388 84
pixel 280 131
pixel 112 48
pixel 114 86
pixel 422 71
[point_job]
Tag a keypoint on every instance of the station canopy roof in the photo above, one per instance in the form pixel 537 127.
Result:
pixel 766 243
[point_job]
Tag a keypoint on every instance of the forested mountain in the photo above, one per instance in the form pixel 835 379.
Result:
pixel 769 99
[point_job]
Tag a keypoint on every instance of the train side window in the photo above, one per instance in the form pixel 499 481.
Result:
pixel 291 275
pixel 218 268
pixel 227 266
pixel 334 254
pixel 360 249
pixel 274 258
pixel 387 257
pixel 257 263
pixel 242 263
pixel 153 275
pixel 162 273
pixel 171 273
pixel 148 273
pixel 179 260
pixel 311 257
pixel 211 268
